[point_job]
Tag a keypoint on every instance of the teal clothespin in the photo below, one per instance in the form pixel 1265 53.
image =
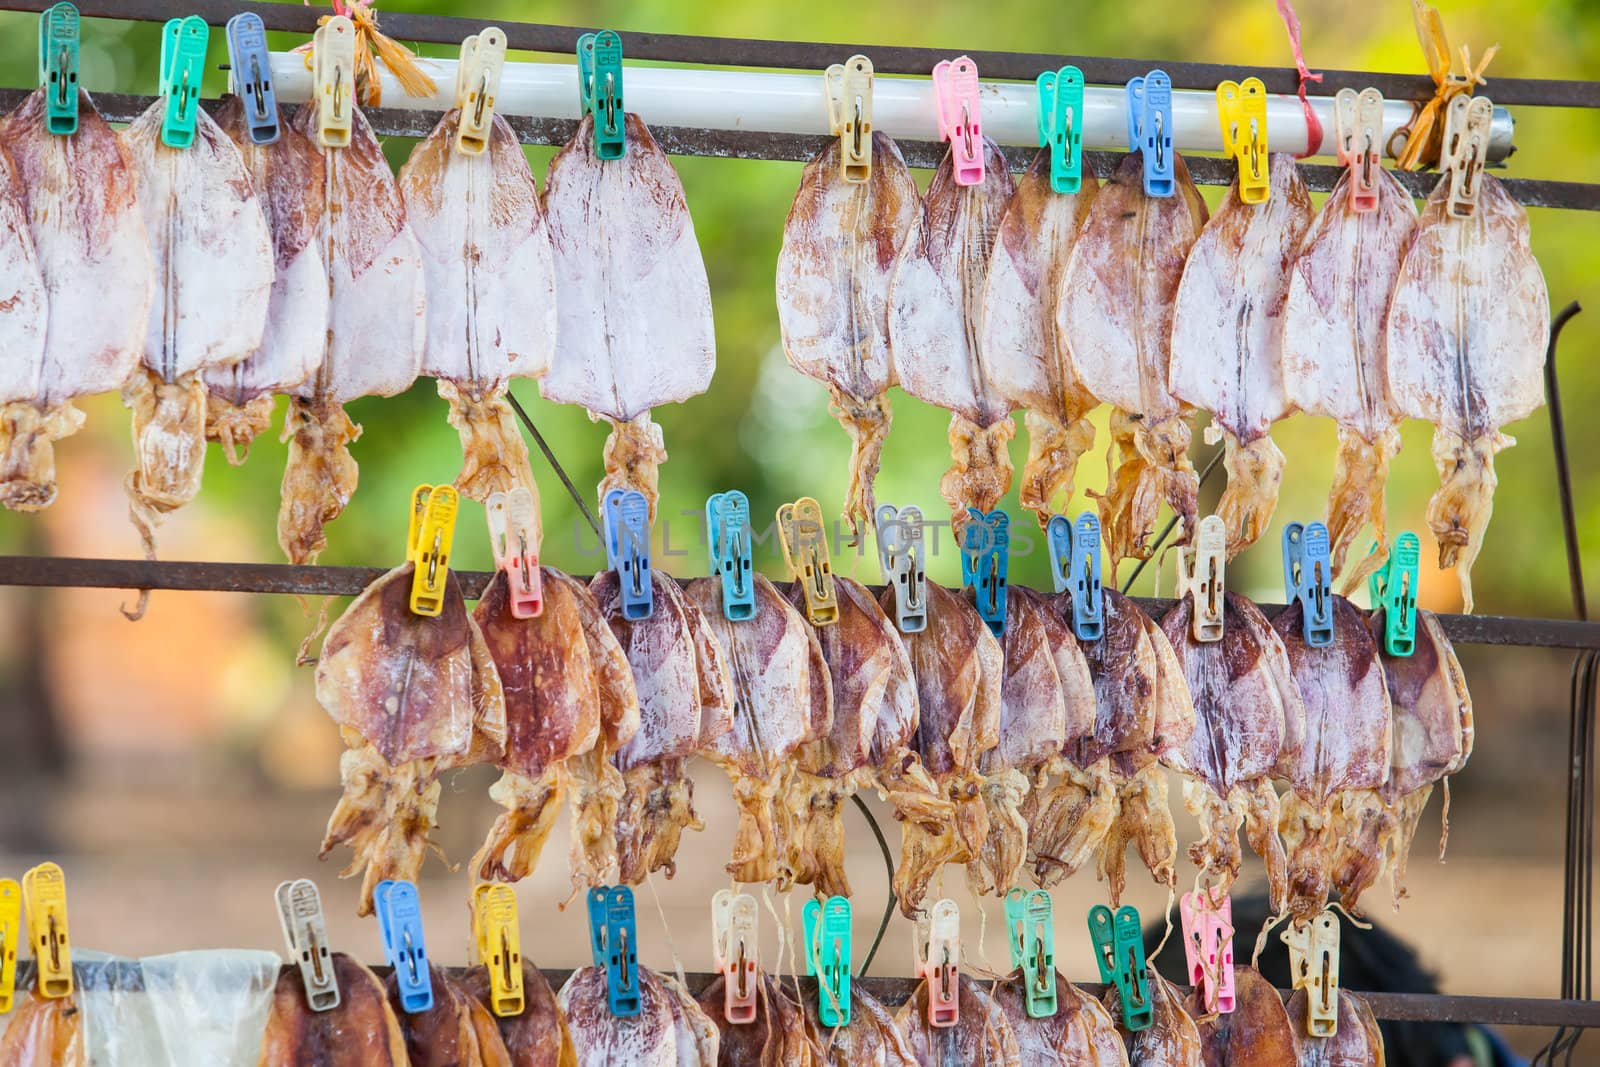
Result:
pixel 613 940
pixel 400 927
pixel 985 559
pixel 1393 588
pixel 183 67
pixel 827 932
pixel 58 67
pixel 728 537
pixel 1061 126
pixel 600 91
pixel 1030 920
pixel 1119 952
pixel 1307 579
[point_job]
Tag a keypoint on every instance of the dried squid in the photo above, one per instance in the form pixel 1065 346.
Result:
pixel 777 1036
pixel 1115 314
pixel 1079 1034
pixel 361 1032
pixel 1357 1043
pixel 1468 327
pixel 1171 1039
pixel 1227 339
pixel 537 1036
pixel 669 1031
pixel 1255 1034
pixel 872 1038
pixel 44 1032
pixel 935 311
pixel 840 245
pixel 1023 348
pixel 981 1036
pixel 80 223
pixel 633 307
pixel 414 696
pixel 456 1032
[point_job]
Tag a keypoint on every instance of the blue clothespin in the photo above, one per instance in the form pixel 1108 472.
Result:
pixel 1150 130
pixel 251 74
pixel 1307 579
pixel 1061 126
pixel 600 91
pixel 58 67
pixel 827 932
pixel 901 555
pixel 1394 589
pixel 985 558
pixel 613 938
pixel 1119 952
pixel 400 926
pixel 1088 607
pixel 1030 924
pixel 728 537
pixel 626 514
pixel 183 67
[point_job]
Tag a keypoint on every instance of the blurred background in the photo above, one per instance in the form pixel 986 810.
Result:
pixel 179 767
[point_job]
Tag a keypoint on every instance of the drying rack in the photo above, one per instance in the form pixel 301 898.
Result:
pixel 1569 1014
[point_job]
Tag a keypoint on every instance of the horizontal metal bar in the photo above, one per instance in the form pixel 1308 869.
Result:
pixel 348 581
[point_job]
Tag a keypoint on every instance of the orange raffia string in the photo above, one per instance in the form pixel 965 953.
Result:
pixel 370 42
pixel 1425 135
pixel 1291 23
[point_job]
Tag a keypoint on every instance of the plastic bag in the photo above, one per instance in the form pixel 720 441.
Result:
pixel 210 1008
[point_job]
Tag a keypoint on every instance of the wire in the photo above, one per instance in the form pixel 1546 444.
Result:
pixel 888 866
pixel 555 464
pixel 1166 531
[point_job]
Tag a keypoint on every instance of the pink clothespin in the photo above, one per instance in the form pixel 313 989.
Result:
pixel 938 961
pixel 514 540
pixel 1208 946
pixel 1357 125
pixel 733 943
pixel 955 92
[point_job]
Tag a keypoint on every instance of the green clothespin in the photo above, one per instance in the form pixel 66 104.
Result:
pixel 58 67
pixel 1393 588
pixel 1119 951
pixel 827 932
pixel 183 66
pixel 1030 922
pixel 600 91
pixel 1061 126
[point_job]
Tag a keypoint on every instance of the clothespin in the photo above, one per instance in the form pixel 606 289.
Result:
pixel 399 914
pixel 306 933
pixel 955 94
pixel 483 58
pixel 10 937
pixel 1242 111
pixel 1061 126
pixel 902 557
pixel 1466 146
pixel 1200 571
pixel 1208 946
pixel 333 66
pixel 1150 130
pixel 58 67
pixel 985 559
pixel 250 73
pixel 627 524
pixel 613 938
pixel 804 540
pixel 1307 578
pixel 848 88
pixel 44 894
pixel 1075 565
pixel 512 539
pixel 183 66
pixel 1357 125
pixel 1393 588
pixel 1314 967
pixel 938 959
pixel 1030 921
pixel 728 537
pixel 827 932
pixel 600 91
pixel 435 534
pixel 733 948
pixel 497 944
pixel 1119 952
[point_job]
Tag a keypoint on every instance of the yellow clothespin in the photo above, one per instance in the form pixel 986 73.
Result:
pixel 1242 111
pixel 1200 572
pixel 497 945
pixel 1314 967
pixel 804 540
pixel 10 938
pixel 1466 144
pixel 44 890
pixel 333 77
pixel 432 548
pixel 419 511
pixel 483 58
pixel 848 88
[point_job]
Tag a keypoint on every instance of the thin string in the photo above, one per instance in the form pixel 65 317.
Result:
pixel 666 931
pixel 1291 23
pixel 555 464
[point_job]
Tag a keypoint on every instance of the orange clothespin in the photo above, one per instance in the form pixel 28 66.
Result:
pixel 955 94
pixel 733 947
pixel 938 961
pixel 514 540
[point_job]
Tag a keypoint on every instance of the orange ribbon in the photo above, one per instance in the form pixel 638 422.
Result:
pixel 370 43
pixel 1425 133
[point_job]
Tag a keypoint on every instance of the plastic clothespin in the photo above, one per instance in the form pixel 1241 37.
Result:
pixel 1307 578
pixel 1150 130
pixel 1030 922
pixel 902 557
pixel 985 559
pixel 1200 572
pixel 306 933
pixel 626 515
pixel 1466 147
pixel 827 933
pixel 955 95
pixel 399 914
pixel 44 895
pixel 613 938
pixel 483 58
pixel 733 948
pixel 804 540
pixel 435 535
pixel 497 944
pixel 1061 126
pixel 848 89
pixel 333 65
pixel 600 91
pixel 1208 946
pixel 250 73
pixel 1357 125
pixel 183 66
pixel 1088 605
pixel 513 534
pixel 1119 952
pixel 1393 588
pixel 1314 967
pixel 1242 112
pixel 939 960
pixel 10 938
pixel 58 67
pixel 728 537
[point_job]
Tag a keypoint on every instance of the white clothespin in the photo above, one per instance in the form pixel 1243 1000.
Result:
pixel 1200 572
pixel 483 59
